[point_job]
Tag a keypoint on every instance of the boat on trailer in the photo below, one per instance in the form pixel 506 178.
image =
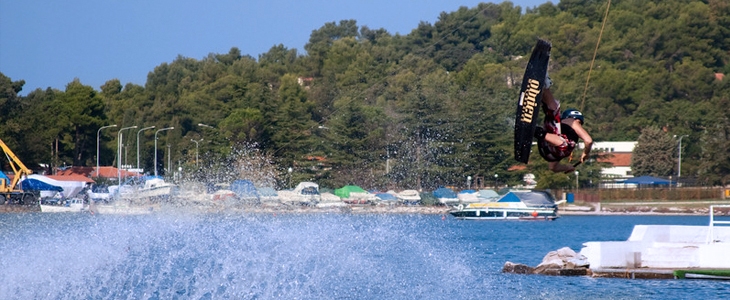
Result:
pixel 515 205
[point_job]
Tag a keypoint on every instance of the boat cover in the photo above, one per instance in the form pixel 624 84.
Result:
pixel 244 189
pixel 386 197
pixel 444 193
pixel 71 188
pixel 530 198
pixel 344 192
pixel 488 194
pixel 37 185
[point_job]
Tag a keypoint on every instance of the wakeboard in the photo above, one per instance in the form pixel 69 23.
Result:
pixel 530 99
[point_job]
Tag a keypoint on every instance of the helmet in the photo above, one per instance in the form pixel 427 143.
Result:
pixel 572 113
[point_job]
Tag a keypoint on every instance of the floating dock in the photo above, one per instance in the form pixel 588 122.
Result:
pixel 664 251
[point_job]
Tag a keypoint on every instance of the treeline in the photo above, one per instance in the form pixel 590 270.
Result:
pixel 422 110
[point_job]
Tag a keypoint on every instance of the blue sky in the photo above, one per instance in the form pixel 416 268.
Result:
pixel 49 43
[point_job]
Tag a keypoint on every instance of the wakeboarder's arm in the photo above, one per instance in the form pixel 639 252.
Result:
pixel 583 135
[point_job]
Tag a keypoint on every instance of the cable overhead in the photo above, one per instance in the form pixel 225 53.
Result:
pixel 600 35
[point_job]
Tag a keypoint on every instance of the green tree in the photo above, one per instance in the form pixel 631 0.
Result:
pixel 654 153
pixel 81 114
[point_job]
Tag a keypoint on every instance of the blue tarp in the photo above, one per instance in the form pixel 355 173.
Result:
pixel 532 198
pixel 444 193
pixel 647 180
pixel 244 189
pixel 3 176
pixel 37 185
pixel 386 197
pixel 510 197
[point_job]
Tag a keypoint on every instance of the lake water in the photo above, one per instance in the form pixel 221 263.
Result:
pixel 311 256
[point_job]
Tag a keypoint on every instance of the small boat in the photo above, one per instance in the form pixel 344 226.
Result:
pixel 446 196
pixel 153 188
pixel 352 194
pixel 98 194
pixel 306 193
pixel 468 196
pixel 487 196
pixel 268 196
pixel 515 205
pixel 330 200
pixel 409 197
pixel 70 205
pixel 388 198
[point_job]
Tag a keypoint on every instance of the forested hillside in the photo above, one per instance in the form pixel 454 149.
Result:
pixel 364 106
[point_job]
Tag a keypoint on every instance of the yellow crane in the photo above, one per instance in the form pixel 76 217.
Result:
pixel 10 190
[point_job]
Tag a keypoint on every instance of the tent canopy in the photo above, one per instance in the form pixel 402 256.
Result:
pixel 647 180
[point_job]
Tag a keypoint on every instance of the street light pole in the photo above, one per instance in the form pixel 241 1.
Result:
pixel 576 180
pixel 196 150
pixel 97 146
pixel 143 129
pixel 679 158
pixel 156 132
pixel 169 166
pixel 119 153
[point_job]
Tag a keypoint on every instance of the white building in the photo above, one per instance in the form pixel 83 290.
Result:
pixel 619 155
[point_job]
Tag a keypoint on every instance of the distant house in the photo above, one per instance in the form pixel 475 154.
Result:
pixel 618 154
pixel 306 82
pixel 106 172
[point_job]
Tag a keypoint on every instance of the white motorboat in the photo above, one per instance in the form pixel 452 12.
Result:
pixel 446 196
pixel 331 200
pixel 71 205
pixel 152 188
pixel 306 193
pixel 409 197
pixel 515 205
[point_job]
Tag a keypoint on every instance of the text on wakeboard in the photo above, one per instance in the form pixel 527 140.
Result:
pixel 527 100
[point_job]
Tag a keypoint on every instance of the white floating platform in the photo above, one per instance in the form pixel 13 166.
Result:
pixel 663 247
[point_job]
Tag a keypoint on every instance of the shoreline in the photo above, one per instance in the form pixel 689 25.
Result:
pixel 586 209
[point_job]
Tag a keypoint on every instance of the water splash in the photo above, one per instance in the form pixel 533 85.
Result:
pixel 257 256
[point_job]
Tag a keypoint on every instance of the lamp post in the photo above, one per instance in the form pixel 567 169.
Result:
pixel 679 158
pixel 196 150
pixel 496 177
pixel 576 179
pixel 156 132
pixel 169 166
pixel 290 170
pixel 97 146
pixel 143 129
pixel 119 153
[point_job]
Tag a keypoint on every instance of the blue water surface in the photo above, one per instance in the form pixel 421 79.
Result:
pixel 312 256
